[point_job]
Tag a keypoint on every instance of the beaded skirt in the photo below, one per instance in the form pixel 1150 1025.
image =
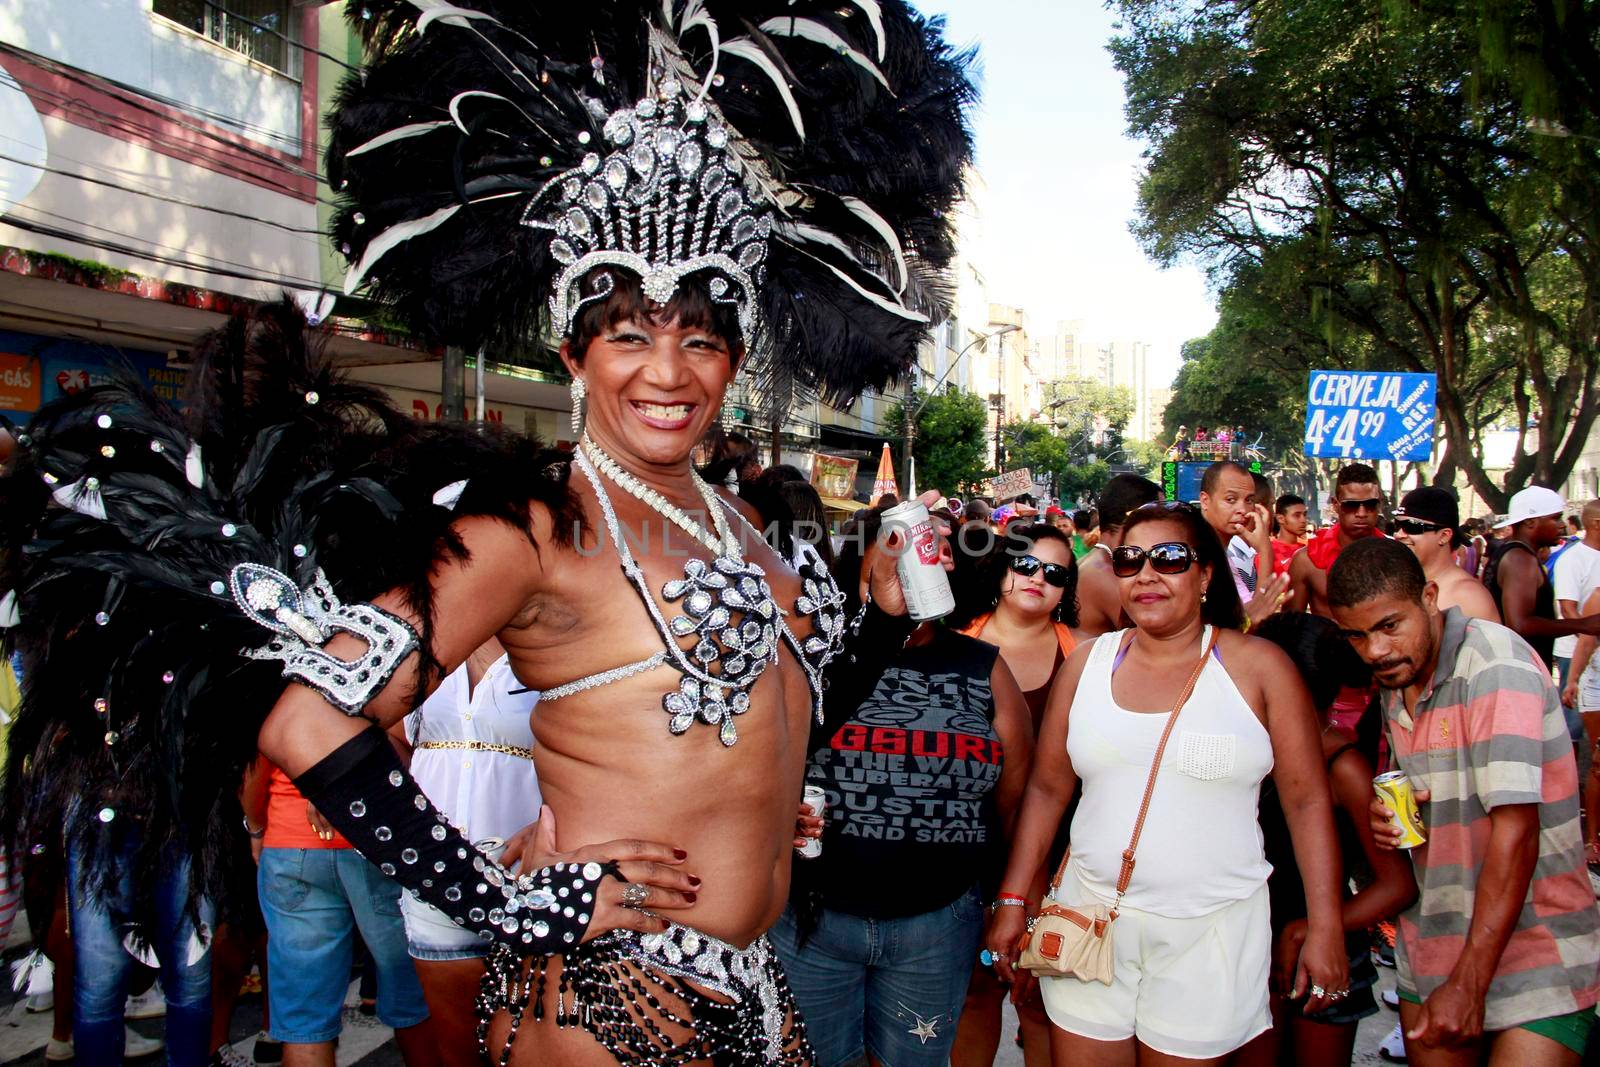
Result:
pixel 643 996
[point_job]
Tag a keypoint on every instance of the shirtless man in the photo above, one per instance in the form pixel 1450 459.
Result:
pixel 1099 594
pixel 1428 522
pixel 1357 503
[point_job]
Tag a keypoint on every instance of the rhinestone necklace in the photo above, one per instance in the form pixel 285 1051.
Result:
pixel 724 542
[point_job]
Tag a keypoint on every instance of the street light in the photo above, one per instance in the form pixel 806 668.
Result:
pixel 912 413
pixel 1002 331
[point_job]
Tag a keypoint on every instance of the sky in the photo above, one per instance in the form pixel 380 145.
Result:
pixel 1062 179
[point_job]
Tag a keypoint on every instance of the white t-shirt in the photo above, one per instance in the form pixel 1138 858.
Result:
pixel 1577 576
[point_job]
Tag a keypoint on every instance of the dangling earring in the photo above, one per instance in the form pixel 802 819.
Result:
pixel 1202 597
pixel 579 391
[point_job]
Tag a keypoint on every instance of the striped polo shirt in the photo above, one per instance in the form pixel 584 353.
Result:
pixel 1488 731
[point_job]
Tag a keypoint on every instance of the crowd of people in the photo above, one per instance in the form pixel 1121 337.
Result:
pixel 597 757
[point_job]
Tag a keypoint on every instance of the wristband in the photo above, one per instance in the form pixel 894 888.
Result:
pixel 362 789
pixel 1019 898
pixel 1007 902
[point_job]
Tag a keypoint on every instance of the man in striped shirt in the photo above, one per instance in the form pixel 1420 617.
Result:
pixel 1501 952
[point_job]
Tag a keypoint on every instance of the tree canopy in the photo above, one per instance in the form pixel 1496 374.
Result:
pixel 1383 184
pixel 951 445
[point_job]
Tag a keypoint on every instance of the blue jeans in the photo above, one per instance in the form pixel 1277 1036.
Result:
pixel 891 987
pixel 102 964
pixel 314 901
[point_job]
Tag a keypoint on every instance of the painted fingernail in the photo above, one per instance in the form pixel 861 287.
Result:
pixel 680 854
pixel 694 881
pixel 691 897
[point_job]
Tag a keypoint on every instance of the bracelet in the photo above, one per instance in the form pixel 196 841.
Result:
pixel 1007 902
pixel 1246 627
pixel 1011 896
pixel 255 835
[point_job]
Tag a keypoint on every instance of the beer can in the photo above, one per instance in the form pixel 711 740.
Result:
pixel 816 802
pixel 922 578
pixel 1394 789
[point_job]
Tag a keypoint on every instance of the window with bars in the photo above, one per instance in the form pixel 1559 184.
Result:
pixel 260 29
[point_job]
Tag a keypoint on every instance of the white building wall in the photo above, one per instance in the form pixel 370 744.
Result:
pixel 250 245
pixel 124 41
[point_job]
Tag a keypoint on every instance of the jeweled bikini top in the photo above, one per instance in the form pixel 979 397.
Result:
pixel 728 604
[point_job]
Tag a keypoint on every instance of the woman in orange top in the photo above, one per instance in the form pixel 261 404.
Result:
pixel 1024 600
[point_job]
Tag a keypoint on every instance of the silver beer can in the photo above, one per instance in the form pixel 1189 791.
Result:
pixel 922 578
pixel 815 801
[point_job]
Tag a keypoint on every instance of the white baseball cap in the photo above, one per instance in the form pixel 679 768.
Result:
pixel 1533 502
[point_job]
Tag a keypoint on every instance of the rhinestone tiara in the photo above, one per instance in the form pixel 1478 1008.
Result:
pixel 665 201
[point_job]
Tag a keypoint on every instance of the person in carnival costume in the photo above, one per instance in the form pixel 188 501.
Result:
pixel 676 191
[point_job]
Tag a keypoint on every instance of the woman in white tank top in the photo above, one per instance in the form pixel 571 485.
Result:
pixel 1191 942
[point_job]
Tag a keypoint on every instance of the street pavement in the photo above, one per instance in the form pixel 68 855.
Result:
pixel 368 1043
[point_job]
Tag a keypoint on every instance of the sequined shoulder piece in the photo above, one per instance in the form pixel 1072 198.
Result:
pixel 822 601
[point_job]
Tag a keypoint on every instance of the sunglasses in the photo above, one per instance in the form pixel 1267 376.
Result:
pixel 1054 573
pixel 1350 507
pixel 1169 557
pixel 1169 505
pixel 1407 525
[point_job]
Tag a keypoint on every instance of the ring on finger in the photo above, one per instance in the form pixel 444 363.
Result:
pixel 635 896
pixel 1318 991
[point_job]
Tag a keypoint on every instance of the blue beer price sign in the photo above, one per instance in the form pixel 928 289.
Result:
pixel 1370 415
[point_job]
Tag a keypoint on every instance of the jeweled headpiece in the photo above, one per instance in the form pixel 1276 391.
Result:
pixel 667 201
pixel 501 164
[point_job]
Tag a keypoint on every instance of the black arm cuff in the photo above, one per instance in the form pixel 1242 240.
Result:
pixel 362 789
pixel 872 640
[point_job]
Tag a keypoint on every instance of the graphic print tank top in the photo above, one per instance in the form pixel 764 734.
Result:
pixel 910 778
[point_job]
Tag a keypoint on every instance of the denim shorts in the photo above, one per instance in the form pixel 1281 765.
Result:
pixel 315 901
pixel 431 935
pixel 891 987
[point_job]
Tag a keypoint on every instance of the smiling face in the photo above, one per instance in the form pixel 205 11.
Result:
pixel 1031 596
pixel 1429 546
pixel 1157 602
pixel 654 383
pixel 1396 636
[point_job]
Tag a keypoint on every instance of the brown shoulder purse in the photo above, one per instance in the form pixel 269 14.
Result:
pixel 1076 941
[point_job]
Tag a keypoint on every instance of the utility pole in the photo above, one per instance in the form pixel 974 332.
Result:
pixel 999 406
pixel 453 384
pixel 910 440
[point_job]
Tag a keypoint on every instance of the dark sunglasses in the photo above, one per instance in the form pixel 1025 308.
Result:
pixel 1407 525
pixel 1054 573
pixel 1169 557
pixel 1350 507
pixel 1169 505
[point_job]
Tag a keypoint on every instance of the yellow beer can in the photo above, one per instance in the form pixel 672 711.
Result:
pixel 1394 789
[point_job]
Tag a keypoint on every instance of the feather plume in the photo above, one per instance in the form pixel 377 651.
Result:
pixel 847 117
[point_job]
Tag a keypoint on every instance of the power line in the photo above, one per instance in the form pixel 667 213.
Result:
pixel 44 230
pixel 166 199
pixel 134 97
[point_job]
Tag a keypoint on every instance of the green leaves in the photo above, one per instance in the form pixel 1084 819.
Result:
pixel 1386 184
pixel 951 439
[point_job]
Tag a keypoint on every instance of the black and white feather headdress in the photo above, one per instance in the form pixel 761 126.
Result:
pixel 498 163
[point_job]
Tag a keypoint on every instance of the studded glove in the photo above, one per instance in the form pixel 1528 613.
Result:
pixel 362 789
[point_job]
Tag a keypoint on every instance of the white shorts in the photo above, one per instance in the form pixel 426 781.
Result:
pixel 1589 687
pixel 1195 988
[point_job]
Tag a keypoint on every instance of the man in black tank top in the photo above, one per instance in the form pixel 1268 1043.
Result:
pixel 1517 581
